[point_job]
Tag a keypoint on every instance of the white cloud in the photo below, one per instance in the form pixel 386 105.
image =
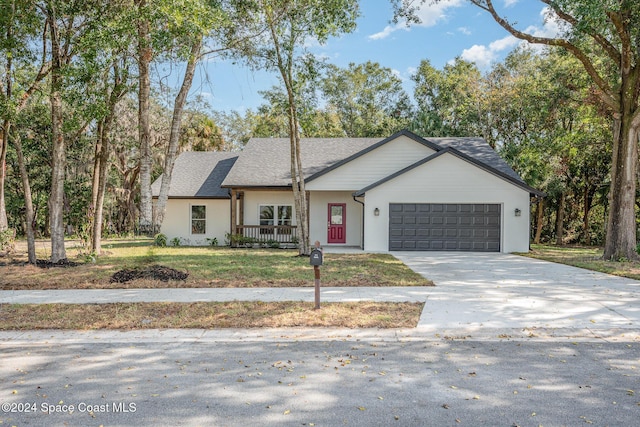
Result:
pixel 508 3
pixel 464 30
pixel 504 43
pixel 388 30
pixel 484 55
pixel 481 55
pixel 552 26
pixel 429 14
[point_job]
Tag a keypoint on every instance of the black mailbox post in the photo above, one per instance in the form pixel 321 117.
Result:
pixel 315 259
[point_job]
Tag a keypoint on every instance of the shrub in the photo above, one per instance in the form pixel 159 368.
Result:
pixel 175 241
pixel 7 239
pixel 212 242
pixel 160 240
pixel 238 240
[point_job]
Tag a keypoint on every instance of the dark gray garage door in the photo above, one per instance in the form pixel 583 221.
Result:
pixel 444 227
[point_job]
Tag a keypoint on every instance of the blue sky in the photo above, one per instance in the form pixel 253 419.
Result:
pixel 450 29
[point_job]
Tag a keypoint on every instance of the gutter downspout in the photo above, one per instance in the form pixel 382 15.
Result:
pixel 361 231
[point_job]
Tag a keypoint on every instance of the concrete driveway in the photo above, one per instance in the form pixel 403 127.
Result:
pixel 479 291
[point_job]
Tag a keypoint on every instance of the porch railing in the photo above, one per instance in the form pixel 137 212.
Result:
pixel 264 235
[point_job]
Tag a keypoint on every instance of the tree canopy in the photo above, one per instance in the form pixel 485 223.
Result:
pixel 565 117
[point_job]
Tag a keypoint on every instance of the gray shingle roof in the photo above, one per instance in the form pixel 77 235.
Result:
pixel 199 174
pixel 266 161
pixel 479 150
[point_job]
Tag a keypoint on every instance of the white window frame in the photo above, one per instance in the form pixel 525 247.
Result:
pixel 276 218
pixel 191 219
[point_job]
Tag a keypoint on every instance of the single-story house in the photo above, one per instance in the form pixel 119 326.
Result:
pixel 399 193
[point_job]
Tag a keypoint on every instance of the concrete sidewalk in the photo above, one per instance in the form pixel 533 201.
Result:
pixel 476 294
pixel 327 294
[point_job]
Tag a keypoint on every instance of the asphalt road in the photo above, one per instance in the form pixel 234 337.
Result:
pixel 345 381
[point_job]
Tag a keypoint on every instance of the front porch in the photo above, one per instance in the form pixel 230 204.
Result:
pixel 274 236
pixel 266 218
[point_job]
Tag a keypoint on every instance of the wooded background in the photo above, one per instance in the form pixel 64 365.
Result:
pixel 87 121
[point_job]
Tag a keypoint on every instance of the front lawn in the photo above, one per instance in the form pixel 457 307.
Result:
pixel 209 267
pixel 585 257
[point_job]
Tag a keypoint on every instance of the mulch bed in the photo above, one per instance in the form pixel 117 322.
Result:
pixel 63 263
pixel 155 272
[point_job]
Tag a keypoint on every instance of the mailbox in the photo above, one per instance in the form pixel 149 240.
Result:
pixel 316 257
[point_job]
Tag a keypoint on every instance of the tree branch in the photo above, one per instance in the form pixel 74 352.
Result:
pixel 606 93
pixel 609 48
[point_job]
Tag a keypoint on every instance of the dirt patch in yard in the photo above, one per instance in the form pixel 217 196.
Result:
pixel 63 263
pixel 153 272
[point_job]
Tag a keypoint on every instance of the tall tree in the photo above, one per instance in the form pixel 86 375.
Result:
pixel 289 24
pixel 200 20
pixel 16 89
pixel 144 57
pixel 605 38
pixel 174 136
pixel 448 99
pixel 113 93
pixel 368 98
pixel 60 32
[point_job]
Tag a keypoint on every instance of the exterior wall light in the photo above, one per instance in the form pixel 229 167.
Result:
pixel 518 212
pixel 376 212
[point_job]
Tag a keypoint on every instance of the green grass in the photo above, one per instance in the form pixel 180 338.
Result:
pixel 216 267
pixel 585 257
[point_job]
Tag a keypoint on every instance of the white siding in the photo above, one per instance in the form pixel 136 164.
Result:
pixel 373 166
pixel 318 212
pixel 253 200
pixel 318 216
pixel 177 221
pixel 448 179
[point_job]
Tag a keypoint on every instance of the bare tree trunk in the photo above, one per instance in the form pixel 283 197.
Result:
pixel 101 163
pixel 4 138
pixel 58 157
pixel 298 186
pixel 560 220
pixel 96 240
pixel 28 201
pixel 539 221
pixel 620 242
pixel 587 201
pixel 96 165
pixel 4 133
pixel 45 68
pixel 301 196
pixel 285 66
pixel 174 136
pixel 145 55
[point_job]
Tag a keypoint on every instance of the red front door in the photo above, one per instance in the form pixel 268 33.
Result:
pixel 337 223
